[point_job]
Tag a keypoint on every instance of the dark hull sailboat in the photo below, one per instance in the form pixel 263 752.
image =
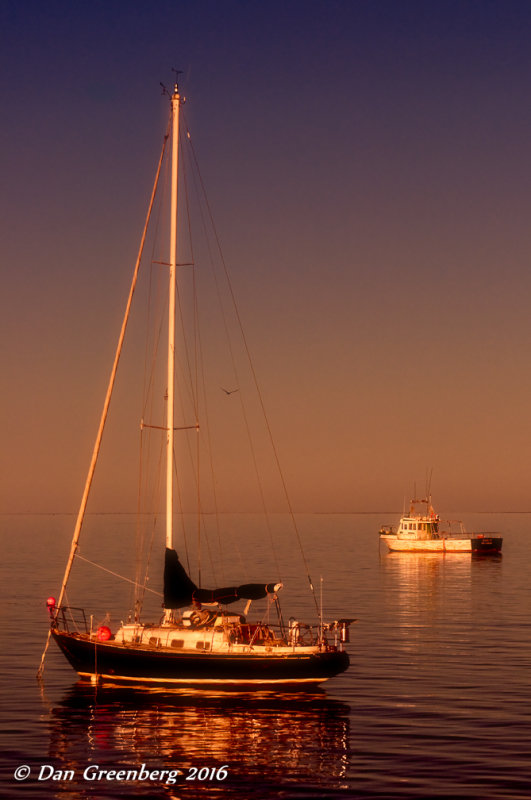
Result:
pixel 206 645
pixel 197 641
pixel 115 662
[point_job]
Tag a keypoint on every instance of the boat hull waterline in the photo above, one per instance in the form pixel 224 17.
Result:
pixel 113 661
pixel 475 546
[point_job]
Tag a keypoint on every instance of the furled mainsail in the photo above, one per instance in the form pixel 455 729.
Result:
pixel 180 590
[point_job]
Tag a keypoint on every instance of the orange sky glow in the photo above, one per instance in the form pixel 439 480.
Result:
pixel 368 168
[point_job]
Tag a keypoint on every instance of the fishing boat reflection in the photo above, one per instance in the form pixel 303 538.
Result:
pixel 435 602
pixel 418 582
pixel 422 570
pixel 265 740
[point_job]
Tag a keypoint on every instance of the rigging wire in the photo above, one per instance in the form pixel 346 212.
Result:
pixel 243 409
pixel 107 402
pixel 199 370
pixel 254 376
pixel 194 381
pixel 115 574
pixel 143 552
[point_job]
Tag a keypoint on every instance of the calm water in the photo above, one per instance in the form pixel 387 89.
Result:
pixel 435 703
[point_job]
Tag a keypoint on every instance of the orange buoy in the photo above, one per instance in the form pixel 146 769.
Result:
pixel 104 633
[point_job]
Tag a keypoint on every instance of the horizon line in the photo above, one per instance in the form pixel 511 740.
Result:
pixel 213 513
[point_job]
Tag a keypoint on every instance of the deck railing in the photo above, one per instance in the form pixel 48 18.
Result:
pixel 70 619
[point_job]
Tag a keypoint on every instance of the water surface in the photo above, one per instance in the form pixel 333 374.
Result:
pixel 435 703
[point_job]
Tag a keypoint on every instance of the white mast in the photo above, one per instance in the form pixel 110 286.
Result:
pixel 175 105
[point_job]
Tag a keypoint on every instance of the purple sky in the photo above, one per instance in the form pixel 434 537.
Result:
pixel 368 166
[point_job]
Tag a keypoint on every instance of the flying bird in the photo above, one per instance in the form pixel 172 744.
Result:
pixel 228 391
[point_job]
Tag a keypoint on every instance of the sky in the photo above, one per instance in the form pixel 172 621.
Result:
pixel 368 166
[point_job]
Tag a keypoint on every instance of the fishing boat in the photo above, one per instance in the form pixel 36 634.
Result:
pixel 199 640
pixel 422 532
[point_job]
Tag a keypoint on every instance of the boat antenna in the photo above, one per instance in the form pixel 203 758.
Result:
pixel 177 73
pixel 428 480
pixel 429 473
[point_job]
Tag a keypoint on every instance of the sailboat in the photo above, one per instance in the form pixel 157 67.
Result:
pixel 199 641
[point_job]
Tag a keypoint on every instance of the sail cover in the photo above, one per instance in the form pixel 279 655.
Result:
pixel 180 590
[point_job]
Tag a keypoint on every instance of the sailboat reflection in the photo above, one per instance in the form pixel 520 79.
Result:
pixel 265 740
